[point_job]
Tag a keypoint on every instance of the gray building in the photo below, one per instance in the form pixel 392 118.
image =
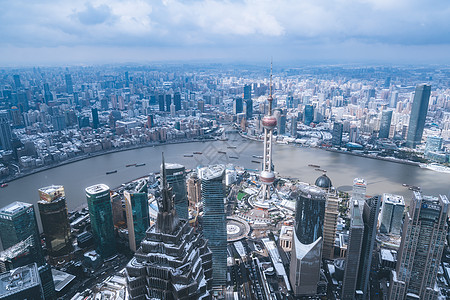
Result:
pixel 214 221
pixel 21 283
pixel 336 139
pixel 433 144
pixel 5 131
pixel 385 124
pixel 137 212
pixel 306 254
pixel 391 216
pixel 418 115
pixel 423 240
pixel 353 253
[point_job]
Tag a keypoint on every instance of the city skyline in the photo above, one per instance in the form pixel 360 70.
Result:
pixel 79 32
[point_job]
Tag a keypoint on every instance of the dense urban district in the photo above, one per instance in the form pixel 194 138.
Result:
pixel 224 231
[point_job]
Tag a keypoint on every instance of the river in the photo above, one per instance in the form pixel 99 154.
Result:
pixel 289 160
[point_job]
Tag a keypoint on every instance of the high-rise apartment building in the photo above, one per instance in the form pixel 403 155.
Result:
pixel 214 221
pixel 385 124
pixel 137 212
pixel 306 254
pixel 391 216
pixel 5 131
pixel 100 213
pixel 423 239
pixel 176 178
pixel 55 220
pixel 336 139
pixel 418 115
pixel 329 226
pixel 352 258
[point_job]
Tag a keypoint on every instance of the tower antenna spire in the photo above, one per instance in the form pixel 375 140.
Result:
pixel 270 99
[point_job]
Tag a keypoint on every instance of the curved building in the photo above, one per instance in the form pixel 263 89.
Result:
pixel 307 241
pixel 324 182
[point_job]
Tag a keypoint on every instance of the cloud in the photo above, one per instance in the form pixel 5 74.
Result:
pixel 94 15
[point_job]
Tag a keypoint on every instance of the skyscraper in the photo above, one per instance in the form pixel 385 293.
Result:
pixel 173 261
pixel 21 283
pixel 55 221
pixel 336 139
pixel 194 190
pixel 359 189
pixel 137 211
pixel 95 121
pixel 161 102
pixel 306 254
pixel 385 124
pixel 5 131
pixel 214 221
pixel 238 106
pixel 423 240
pixel 176 178
pixel 177 101
pixel 308 114
pixel 17 83
pixel 248 101
pixel 293 126
pixel 168 101
pixel 100 212
pixel 329 226
pixel 353 253
pixel 69 84
pixel 392 214
pixel 433 144
pixel 418 115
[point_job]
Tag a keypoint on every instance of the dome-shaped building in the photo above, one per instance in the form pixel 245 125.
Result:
pixel 324 182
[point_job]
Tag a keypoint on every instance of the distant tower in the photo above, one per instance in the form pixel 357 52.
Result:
pixel 308 114
pixel 173 261
pixel 267 176
pixel 69 84
pixel 336 139
pixel 5 131
pixel 137 211
pixel 353 253
pixel 176 178
pixel 418 115
pixel 385 124
pixel 214 221
pixel 306 254
pixel 55 220
pixel 238 106
pixel 95 121
pixel 100 212
pixel 423 240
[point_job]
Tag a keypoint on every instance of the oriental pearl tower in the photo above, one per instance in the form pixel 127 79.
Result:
pixel 267 176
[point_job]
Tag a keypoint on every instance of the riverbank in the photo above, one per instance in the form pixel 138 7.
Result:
pixel 92 155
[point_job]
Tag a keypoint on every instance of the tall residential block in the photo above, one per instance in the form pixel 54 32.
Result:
pixel 137 212
pixel 100 213
pixel 418 115
pixel 391 216
pixel 55 220
pixel 214 220
pixel 352 258
pixel 306 254
pixel 329 226
pixel 423 239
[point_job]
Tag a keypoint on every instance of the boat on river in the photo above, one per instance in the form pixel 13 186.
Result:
pixel 111 172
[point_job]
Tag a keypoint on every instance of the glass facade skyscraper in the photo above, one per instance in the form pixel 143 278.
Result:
pixel 100 212
pixel 338 129
pixel 137 211
pixel 418 115
pixel 423 239
pixel 176 178
pixel 5 131
pixel 385 124
pixel 214 221
pixel 308 114
pixel 54 218
pixel 392 214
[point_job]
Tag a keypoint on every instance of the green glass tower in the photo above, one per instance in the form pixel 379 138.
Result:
pixel 138 218
pixel 100 212
pixel 418 115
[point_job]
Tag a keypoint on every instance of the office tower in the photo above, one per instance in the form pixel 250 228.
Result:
pixel 393 100
pixel 69 84
pixel 433 144
pixel 308 114
pixel 121 103
pixel 55 220
pixel 173 261
pixel 267 175
pixel 194 191
pixel 47 94
pixel 282 124
pixel 418 115
pixel 168 101
pixel 249 108
pixel 306 254
pixel 329 226
pixel 5 131
pixel 385 124
pixel 201 106
pixel 214 221
pixel 359 189
pixel 17 224
pixel 371 208
pixel 423 240
pixel 176 178
pixel 353 253
pixel 392 214
pixel 237 106
pixel 21 283
pixel 100 213
pixel 353 134
pixel 177 101
pixel 161 102
pixel 59 122
pixel 127 79
pixel 95 121
pixel 138 218
pixel 17 83
pixel 336 139
pixel 293 126
pixel 247 92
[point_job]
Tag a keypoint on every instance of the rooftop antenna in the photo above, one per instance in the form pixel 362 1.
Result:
pixel 270 99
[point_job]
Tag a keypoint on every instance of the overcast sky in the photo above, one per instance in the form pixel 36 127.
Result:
pixel 324 31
